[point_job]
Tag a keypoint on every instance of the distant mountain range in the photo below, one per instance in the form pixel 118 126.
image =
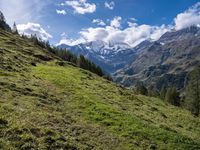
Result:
pixel 163 62
pixel 111 57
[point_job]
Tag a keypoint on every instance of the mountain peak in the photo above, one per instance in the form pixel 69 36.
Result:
pixel 181 34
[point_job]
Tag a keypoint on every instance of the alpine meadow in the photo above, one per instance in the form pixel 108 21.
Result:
pixel 99 75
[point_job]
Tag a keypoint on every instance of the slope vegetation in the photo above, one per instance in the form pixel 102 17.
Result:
pixel 47 106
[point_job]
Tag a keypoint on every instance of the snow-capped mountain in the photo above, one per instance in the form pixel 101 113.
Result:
pixel 109 56
pixel 100 47
pixel 104 48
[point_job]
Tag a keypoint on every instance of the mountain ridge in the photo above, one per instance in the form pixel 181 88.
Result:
pixel 168 60
pixel 128 65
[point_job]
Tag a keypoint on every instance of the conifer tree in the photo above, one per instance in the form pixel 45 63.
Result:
pixel 193 92
pixel 163 93
pixel 2 18
pixel 14 30
pixel 153 92
pixel 172 96
pixel 3 24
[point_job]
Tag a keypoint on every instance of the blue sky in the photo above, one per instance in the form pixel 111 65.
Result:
pixel 76 21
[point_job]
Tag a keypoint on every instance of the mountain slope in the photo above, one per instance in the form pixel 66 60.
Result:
pixel 165 62
pixel 47 106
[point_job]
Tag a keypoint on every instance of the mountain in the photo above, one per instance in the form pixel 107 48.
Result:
pixel 165 62
pixel 109 56
pixel 46 104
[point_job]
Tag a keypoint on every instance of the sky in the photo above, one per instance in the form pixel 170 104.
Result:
pixel 73 22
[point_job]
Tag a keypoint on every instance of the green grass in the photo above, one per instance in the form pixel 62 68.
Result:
pixel 102 103
pixel 52 107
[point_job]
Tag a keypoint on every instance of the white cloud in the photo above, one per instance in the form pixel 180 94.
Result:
pixel 188 18
pixel 133 19
pixel 62 12
pixel 23 11
pixel 116 22
pixel 132 35
pixel 62 4
pixel 132 22
pixel 71 42
pixel 63 34
pixel 159 31
pixel 93 34
pixel 99 22
pixel 110 5
pixel 33 29
pixel 80 6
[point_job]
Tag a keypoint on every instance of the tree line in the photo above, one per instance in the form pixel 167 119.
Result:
pixel 79 61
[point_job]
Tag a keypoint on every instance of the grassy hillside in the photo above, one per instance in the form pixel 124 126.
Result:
pixel 47 106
